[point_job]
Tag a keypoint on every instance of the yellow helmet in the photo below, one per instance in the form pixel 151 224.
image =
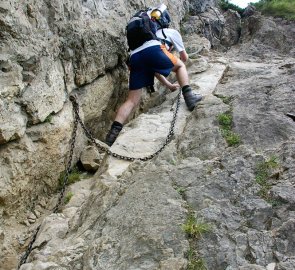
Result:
pixel 156 14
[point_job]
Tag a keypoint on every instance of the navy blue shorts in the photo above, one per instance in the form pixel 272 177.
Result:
pixel 144 64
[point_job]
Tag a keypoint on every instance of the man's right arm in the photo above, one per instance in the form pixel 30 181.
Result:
pixel 171 86
pixel 178 44
pixel 183 56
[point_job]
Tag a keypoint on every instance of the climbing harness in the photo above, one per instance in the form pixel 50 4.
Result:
pixel 77 119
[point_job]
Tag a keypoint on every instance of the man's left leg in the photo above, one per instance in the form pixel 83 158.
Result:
pixel 123 113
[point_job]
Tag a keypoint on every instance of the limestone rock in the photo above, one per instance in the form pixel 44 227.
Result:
pixel 131 214
pixel 12 122
pixel 91 158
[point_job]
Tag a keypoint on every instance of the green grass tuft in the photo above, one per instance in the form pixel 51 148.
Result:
pixel 73 177
pixel 263 171
pixel 195 228
pixel 225 121
pixel 194 262
pixel 68 197
pixel 48 119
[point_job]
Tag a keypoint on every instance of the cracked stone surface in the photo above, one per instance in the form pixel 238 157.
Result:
pixel 130 215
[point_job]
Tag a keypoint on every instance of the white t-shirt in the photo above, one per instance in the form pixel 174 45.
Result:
pixel 145 45
pixel 172 36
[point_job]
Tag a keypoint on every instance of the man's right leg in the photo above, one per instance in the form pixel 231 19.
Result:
pixel 123 113
pixel 181 73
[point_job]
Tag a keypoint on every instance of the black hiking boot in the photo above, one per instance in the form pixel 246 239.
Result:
pixel 191 99
pixel 113 134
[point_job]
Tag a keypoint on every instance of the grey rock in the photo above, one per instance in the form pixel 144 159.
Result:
pixel 258 213
pixel 130 215
pixel 249 11
pixel 284 193
pixel 12 121
pixel 91 158
pixel 200 6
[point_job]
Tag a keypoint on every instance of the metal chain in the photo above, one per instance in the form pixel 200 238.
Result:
pixel 77 119
pixel 23 259
pixel 127 158
pixel 69 164
pixel 62 191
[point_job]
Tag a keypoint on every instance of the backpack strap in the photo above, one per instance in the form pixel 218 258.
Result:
pixel 164 33
pixel 165 41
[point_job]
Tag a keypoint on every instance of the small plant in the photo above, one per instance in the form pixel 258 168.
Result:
pixel 180 190
pixel 231 138
pixel 172 161
pixel 68 197
pixel 48 119
pixel 73 177
pixel 225 121
pixel 195 228
pixel 195 263
pixel 210 169
pixel 263 171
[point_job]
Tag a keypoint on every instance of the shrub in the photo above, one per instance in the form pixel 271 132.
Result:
pixel 277 8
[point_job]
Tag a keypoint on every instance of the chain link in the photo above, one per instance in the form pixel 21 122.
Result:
pixel 77 119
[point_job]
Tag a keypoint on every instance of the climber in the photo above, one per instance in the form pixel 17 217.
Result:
pixel 151 59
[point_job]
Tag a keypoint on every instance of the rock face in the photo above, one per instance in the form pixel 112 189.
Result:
pixel 132 215
pixel 50 50
pixel 267 36
pixel 200 6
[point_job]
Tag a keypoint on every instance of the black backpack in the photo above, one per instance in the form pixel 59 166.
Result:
pixel 140 29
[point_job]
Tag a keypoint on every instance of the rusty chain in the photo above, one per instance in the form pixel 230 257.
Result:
pixel 61 194
pixel 24 257
pixel 77 119
pixel 109 152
